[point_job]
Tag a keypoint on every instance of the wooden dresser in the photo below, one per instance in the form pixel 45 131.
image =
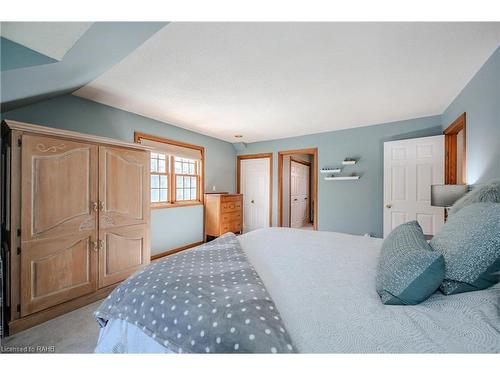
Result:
pixel 223 213
pixel 76 221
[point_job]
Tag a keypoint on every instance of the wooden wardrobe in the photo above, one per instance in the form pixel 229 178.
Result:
pixel 75 219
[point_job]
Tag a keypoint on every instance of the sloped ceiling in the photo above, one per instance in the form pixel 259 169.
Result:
pixel 52 39
pixel 103 45
pixel 274 80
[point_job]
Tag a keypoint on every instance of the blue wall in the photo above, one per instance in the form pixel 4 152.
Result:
pixel 480 99
pixel 15 56
pixel 172 227
pixel 350 206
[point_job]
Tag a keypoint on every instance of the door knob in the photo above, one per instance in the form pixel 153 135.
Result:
pixel 252 201
pixel 295 199
pixel 305 198
pixel 388 205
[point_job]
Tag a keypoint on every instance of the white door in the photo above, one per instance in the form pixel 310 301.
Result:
pixel 299 194
pixel 255 186
pixel 411 166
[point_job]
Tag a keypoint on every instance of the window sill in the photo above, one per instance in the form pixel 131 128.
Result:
pixel 155 206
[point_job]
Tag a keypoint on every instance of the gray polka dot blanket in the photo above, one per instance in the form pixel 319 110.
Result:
pixel 206 300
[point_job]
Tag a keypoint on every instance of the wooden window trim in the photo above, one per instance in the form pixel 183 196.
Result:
pixel 138 136
pixel 450 146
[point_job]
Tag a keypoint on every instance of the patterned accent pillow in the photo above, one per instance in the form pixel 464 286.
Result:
pixel 409 271
pixel 483 193
pixel 470 244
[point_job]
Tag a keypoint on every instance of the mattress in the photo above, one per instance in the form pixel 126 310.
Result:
pixel 323 284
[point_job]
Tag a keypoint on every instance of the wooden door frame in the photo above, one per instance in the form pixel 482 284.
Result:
pixel 314 189
pixel 307 164
pixel 450 151
pixel 269 155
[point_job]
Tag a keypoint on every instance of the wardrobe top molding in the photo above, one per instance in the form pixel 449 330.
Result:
pixel 32 128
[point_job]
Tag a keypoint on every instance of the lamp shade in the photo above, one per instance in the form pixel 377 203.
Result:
pixel 447 195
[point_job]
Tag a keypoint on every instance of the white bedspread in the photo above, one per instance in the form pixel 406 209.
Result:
pixel 323 284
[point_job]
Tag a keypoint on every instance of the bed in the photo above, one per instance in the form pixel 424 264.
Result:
pixel 323 285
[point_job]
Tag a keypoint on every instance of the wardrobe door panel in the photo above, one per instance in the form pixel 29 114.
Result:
pixel 59 187
pixel 58 221
pixel 122 252
pixel 57 270
pixel 123 187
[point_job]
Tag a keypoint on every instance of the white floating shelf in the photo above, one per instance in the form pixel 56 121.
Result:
pixel 341 178
pixel 348 162
pixel 330 170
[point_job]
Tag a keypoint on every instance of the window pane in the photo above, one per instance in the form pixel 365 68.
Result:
pixel 178 166
pixel 187 182
pixel 193 182
pixel 154 195
pixel 155 181
pixel 179 195
pixel 161 166
pixel 154 155
pixel 161 156
pixel 193 194
pixel 163 195
pixel 179 181
pixel 163 181
pixel 185 168
pixel 191 168
pixel 154 165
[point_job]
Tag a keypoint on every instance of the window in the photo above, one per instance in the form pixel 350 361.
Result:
pixel 176 172
pixel 159 177
pixel 186 179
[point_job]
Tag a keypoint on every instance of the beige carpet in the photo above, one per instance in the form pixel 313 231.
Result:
pixel 75 332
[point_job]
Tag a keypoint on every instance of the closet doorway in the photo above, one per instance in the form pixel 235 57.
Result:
pixel 455 167
pixel 297 188
pixel 254 179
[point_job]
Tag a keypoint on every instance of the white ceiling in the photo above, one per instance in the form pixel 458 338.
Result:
pixel 51 39
pixel 275 80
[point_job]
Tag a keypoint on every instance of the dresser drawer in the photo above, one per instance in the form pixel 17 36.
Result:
pixel 230 206
pixel 230 227
pixel 231 198
pixel 236 227
pixel 231 216
pixel 224 228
